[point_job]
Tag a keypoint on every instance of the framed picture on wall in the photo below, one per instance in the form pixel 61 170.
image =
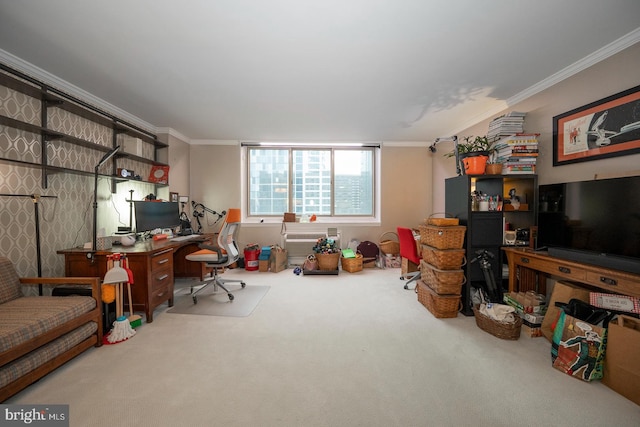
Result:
pixel 173 197
pixel 609 127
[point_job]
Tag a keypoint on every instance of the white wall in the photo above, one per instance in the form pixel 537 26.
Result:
pixel 405 192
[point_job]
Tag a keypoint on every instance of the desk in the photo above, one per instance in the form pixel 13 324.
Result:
pixel 523 261
pixel 154 265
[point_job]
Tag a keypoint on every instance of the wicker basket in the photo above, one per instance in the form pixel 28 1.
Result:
pixel 389 247
pixel 352 265
pixel 444 259
pixel 506 331
pixel 450 237
pixel 328 262
pixel 442 222
pixel 441 306
pixel 444 282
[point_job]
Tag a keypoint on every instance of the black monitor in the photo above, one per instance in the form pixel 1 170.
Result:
pixel 595 222
pixel 152 215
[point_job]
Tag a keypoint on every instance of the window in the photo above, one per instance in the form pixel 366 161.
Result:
pixel 325 181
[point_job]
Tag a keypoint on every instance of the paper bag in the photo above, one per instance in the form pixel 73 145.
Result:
pixel 621 367
pixel 278 260
pixel 562 292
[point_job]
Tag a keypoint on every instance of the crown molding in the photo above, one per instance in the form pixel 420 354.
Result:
pixel 63 85
pixel 599 55
pixel 405 143
pixel 173 133
pixel 214 142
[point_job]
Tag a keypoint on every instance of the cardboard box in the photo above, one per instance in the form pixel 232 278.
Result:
pixel 132 145
pixel 621 367
pixel 408 266
pixel 523 304
pixel 531 331
pixel 562 292
pixel 615 302
pixel 533 318
pixel 263 265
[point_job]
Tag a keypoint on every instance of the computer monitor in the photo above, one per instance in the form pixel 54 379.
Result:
pixel 152 215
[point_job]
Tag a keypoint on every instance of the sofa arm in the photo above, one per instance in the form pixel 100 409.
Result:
pixel 94 282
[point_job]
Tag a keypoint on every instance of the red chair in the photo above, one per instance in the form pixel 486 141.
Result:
pixel 410 256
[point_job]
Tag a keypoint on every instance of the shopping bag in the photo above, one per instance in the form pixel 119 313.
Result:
pixel 578 347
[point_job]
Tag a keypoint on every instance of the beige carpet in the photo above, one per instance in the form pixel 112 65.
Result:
pixel 347 350
pixel 211 303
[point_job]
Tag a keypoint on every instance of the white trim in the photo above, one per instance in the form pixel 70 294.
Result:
pixel 174 133
pixel 584 63
pixel 213 142
pixel 405 143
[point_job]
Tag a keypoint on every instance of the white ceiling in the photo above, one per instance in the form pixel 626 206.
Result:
pixel 301 70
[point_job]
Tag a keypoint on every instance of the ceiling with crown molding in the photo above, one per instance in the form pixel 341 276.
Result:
pixel 301 70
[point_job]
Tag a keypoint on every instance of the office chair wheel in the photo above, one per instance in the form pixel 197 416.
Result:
pixel 230 297
pixel 406 287
pixel 243 284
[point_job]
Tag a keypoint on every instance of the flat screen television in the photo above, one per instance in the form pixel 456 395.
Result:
pixel 594 222
pixel 152 215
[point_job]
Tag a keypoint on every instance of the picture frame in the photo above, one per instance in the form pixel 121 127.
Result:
pixel 609 127
pixel 173 197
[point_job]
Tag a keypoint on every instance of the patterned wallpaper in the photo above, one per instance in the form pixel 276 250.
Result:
pixel 65 218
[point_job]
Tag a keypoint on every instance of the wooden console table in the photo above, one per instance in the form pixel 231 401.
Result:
pixel 154 265
pixel 523 261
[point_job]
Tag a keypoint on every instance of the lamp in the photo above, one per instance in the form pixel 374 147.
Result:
pixel 102 161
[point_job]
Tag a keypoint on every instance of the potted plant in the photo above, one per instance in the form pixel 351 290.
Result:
pixel 494 166
pixel 473 153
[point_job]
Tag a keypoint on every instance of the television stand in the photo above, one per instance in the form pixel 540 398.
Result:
pixel 525 263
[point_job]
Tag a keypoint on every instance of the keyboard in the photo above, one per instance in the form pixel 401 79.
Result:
pixel 187 237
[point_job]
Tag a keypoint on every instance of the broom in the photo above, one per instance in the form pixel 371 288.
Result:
pixel 134 319
pixel 121 327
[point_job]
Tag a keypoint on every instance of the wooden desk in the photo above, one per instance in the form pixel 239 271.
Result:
pixel 153 263
pixel 524 260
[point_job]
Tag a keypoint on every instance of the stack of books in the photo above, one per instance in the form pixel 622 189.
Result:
pixel 506 125
pixel 517 153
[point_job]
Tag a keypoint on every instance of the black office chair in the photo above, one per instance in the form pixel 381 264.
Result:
pixel 220 256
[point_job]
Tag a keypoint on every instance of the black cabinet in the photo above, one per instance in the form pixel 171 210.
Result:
pixel 485 228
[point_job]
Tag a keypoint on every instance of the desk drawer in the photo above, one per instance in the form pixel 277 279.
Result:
pixel 613 283
pixel 553 267
pixel 161 278
pixel 162 260
pixel 160 295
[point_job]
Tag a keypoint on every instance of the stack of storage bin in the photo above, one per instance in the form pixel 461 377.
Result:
pixel 263 259
pixel 441 273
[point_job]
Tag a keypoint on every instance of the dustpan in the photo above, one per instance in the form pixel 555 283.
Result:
pixel 116 274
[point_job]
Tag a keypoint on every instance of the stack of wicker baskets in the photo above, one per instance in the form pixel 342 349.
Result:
pixel 441 273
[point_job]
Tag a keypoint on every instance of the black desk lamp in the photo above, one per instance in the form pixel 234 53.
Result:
pixel 102 161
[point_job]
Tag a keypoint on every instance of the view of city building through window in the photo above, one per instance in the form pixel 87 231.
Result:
pixel 320 181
